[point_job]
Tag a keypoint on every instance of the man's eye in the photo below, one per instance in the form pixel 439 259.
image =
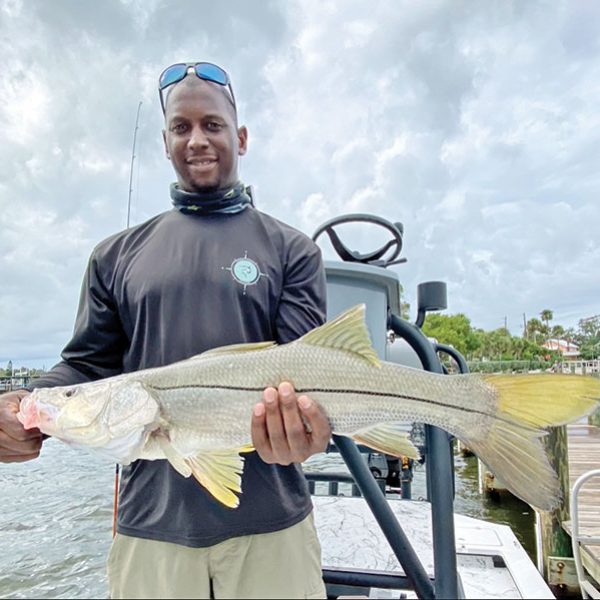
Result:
pixel 214 125
pixel 179 128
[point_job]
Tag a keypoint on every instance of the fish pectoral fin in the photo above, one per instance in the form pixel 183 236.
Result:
pixel 347 331
pixel 235 348
pixel 390 439
pixel 176 460
pixel 220 472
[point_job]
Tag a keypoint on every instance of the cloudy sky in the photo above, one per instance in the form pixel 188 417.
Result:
pixel 476 124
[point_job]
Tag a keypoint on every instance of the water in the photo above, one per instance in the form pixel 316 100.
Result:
pixel 56 520
pixel 55 525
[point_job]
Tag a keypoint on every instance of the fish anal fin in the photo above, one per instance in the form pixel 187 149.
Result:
pixel 389 439
pixel 220 473
pixel 348 331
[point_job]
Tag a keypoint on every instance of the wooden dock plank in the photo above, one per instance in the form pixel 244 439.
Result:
pixel 584 456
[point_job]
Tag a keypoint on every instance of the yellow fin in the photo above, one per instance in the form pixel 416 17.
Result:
pixel 545 399
pixel 220 472
pixel 234 348
pixel 517 456
pixel 389 439
pixel 513 448
pixel 176 460
pixel 347 331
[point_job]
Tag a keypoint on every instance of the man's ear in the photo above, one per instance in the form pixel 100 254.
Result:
pixel 242 134
pixel 165 143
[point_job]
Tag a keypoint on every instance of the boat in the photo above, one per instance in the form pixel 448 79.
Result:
pixel 385 545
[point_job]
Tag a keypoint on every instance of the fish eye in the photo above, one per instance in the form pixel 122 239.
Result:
pixel 70 393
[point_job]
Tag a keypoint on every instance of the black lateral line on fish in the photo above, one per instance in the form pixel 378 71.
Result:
pixel 347 391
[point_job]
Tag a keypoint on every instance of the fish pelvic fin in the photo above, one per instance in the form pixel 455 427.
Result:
pixel 348 331
pixel 389 439
pixel 513 448
pixel 220 473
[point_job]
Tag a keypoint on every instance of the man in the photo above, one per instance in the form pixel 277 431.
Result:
pixel 212 271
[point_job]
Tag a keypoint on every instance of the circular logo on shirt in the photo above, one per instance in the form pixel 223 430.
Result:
pixel 245 271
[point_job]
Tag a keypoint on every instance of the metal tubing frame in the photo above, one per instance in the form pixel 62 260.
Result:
pixel 576 538
pixel 413 569
pixel 367 580
pixel 457 356
pixel 440 481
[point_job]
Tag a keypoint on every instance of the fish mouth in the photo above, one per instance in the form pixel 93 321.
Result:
pixel 35 415
pixel 28 414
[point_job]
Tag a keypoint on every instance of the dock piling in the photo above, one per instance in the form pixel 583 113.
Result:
pixel 556 543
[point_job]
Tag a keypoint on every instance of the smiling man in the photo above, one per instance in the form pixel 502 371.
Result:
pixel 201 135
pixel 212 271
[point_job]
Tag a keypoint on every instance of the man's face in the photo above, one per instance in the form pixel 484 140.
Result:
pixel 200 135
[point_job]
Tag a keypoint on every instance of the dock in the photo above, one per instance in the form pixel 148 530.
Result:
pixel 16 382
pixel 584 455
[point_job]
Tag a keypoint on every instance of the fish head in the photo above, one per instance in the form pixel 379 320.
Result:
pixel 114 415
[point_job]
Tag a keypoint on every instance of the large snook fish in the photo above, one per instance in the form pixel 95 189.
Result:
pixel 196 413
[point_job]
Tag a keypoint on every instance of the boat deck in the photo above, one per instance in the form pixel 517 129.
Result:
pixel 584 455
pixel 491 561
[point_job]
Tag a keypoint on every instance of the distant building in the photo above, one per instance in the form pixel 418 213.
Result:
pixel 569 350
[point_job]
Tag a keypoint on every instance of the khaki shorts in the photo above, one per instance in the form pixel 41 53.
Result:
pixel 282 564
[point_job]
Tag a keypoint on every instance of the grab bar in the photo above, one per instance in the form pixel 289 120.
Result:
pixel 588 590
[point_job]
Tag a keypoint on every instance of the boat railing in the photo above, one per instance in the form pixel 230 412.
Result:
pixel 365 280
pixel 588 589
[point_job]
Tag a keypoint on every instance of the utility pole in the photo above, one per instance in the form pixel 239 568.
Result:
pixel 524 326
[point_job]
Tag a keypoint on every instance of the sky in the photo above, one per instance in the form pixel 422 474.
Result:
pixel 475 124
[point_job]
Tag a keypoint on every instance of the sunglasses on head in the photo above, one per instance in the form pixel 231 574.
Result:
pixel 207 71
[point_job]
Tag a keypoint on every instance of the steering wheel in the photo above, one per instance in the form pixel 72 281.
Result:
pixel 370 258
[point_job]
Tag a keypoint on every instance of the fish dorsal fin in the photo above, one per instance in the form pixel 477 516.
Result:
pixel 347 331
pixel 235 348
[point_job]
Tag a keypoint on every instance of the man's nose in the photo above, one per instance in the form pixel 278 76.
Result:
pixel 198 138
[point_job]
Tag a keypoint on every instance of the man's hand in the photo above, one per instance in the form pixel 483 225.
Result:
pixel 17 444
pixel 279 433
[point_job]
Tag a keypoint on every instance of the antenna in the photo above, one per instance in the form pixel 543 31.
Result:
pixel 137 118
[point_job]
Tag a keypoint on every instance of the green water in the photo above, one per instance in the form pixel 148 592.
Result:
pixel 503 508
pixel 56 519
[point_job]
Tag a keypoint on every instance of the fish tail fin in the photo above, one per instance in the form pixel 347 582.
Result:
pixel 545 399
pixel 518 458
pixel 513 448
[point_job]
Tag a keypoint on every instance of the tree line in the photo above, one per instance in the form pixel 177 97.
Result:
pixel 499 345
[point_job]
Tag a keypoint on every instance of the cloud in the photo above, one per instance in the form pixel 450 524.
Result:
pixel 476 125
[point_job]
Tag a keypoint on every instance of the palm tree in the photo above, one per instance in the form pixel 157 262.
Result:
pixel 546 315
pixel 534 327
pixel 569 336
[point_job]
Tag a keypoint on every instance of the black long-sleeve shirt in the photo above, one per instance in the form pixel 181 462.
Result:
pixel 171 288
